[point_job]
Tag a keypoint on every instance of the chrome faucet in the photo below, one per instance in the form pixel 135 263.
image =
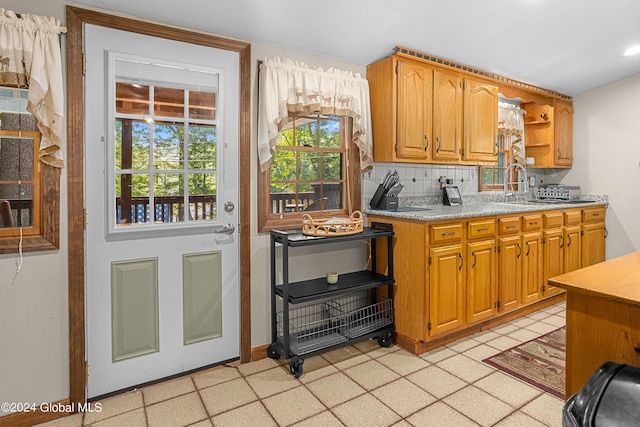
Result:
pixel 518 167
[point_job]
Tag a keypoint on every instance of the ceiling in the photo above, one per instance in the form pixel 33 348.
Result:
pixel 569 46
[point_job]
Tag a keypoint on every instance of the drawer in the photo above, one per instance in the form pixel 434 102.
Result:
pixel 553 219
pixel 509 225
pixel 572 217
pixel 480 228
pixel 445 233
pixel 593 214
pixel 531 222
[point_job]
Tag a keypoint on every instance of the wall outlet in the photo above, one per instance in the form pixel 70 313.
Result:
pixel 532 181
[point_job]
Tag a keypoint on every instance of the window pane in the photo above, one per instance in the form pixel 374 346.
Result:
pixel 168 192
pixel 132 144
pixel 332 166
pixel 306 133
pixel 329 133
pixel 202 196
pixel 132 199
pixel 16 159
pixel 285 138
pixel 132 98
pixel 202 147
pixel 202 105
pixel 283 198
pixel 309 165
pixel 16 205
pixel 168 145
pixel 168 102
pixel 283 167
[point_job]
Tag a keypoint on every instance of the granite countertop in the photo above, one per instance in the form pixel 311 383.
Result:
pixel 434 210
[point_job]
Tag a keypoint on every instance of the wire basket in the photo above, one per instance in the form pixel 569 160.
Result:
pixel 360 316
pixel 311 328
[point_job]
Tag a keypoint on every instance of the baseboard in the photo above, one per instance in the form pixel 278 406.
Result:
pixel 37 416
pixel 259 352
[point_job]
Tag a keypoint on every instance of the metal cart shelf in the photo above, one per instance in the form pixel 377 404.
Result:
pixel 317 316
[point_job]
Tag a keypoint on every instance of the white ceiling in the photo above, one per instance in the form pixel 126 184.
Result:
pixel 569 46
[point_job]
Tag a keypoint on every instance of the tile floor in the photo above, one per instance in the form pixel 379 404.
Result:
pixel 359 385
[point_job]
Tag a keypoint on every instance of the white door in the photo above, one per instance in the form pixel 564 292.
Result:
pixel 161 184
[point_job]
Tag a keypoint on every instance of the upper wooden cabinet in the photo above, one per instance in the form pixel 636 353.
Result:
pixel 548 133
pixel 480 121
pixel 447 115
pixel 563 137
pixel 415 97
pixel 429 114
pixel 430 110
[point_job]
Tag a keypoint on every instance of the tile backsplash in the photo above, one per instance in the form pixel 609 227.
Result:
pixel 422 180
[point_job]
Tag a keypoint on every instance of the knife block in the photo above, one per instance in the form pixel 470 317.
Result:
pixel 388 203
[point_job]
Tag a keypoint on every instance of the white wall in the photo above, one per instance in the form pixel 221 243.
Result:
pixel 606 157
pixel 34 339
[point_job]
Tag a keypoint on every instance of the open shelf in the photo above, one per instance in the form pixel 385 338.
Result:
pixel 537 122
pixel 308 290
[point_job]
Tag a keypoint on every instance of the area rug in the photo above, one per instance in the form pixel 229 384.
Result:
pixel 539 362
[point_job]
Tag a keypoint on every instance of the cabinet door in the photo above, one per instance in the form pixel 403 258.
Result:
pixel 553 244
pixel 481 282
pixel 480 121
pixel 593 243
pixel 532 274
pixel 415 100
pixel 447 115
pixel 563 115
pixel 572 249
pixel 510 273
pixel 445 289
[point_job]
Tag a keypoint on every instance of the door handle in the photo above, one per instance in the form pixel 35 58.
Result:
pixel 528 248
pixel 461 261
pixel 226 229
pixel 473 254
pixel 520 250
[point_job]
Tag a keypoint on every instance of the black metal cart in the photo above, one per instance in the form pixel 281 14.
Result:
pixel 317 316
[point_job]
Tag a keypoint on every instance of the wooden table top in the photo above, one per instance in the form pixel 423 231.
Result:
pixel 617 279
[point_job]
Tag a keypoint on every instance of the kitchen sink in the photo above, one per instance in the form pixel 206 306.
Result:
pixel 548 202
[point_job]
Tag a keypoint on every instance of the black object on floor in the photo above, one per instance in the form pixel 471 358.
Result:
pixel 610 398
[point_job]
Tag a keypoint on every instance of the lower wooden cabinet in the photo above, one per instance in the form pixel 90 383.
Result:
pixel 481 280
pixel 453 277
pixel 593 234
pixel 552 258
pixel 446 298
pixel 532 272
pixel 509 273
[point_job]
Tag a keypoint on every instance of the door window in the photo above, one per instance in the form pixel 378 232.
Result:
pixel 164 158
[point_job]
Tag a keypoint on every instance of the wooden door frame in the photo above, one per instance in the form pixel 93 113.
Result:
pixel 76 17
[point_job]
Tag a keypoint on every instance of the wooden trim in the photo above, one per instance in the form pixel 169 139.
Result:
pixel 503 81
pixel 76 17
pixel 26 419
pixel 260 353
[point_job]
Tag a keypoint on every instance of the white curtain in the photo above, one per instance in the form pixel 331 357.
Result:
pixel 287 86
pixel 30 57
pixel 511 125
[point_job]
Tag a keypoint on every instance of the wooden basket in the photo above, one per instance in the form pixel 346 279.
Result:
pixel 331 226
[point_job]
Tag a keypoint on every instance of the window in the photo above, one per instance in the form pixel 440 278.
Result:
pixel 23 190
pixel 310 172
pixel 165 149
pixel 492 177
